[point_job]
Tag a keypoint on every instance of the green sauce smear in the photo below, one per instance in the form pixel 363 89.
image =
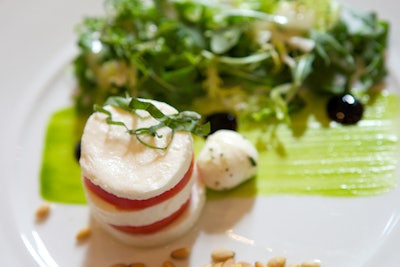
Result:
pixel 60 177
pixel 310 157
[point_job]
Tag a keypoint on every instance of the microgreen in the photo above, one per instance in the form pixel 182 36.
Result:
pixel 188 121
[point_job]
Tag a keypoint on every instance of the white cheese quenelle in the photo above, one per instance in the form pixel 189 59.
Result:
pixel 142 195
pixel 227 160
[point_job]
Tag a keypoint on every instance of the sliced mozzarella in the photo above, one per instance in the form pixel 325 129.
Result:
pixel 176 229
pixel 226 160
pixel 113 215
pixel 120 164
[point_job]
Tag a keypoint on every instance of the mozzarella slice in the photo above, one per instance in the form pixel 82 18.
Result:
pixel 176 229
pixel 120 164
pixel 112 215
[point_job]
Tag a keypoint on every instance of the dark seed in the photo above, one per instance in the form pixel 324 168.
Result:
pixel 77 151
pixel 345 109
pixel 222 120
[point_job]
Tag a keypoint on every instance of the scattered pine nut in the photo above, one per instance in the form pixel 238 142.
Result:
pixel 228 263
pixel 42 212
pixel 277 262
pixel 244 264
pixel 180 254
pixel 311 264
pixel 168 264
pixel 222 254
pixel 84 234
pixel 221 258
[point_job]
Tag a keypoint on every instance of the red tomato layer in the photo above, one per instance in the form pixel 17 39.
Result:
pixel 154 227
pixel 134 204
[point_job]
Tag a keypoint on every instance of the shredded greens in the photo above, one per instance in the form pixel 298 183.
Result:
pixel 252 57
pixel 183 121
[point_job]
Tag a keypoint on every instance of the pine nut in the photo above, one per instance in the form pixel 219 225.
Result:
pixel 83 234
pixel 228 263
pixel 168 264
pixel 311 264
pixel 277 262
pixel 222 254
pixel 180 253
pixel 42 212
pixel 244 264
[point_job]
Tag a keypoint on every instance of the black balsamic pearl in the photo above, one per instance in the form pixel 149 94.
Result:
pixel 345 109
pixel 222 120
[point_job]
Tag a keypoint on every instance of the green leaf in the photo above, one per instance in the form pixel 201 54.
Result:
pixel 188 121
pixel 224 39
pixel 302 69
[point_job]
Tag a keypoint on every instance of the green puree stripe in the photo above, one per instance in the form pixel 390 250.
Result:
pixel 60 179
pixel 345 161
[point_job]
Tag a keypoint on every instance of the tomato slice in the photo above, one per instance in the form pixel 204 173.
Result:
pixel 154 227
pixel 134 204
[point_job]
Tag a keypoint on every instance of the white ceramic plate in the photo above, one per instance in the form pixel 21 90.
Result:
pixel 36 45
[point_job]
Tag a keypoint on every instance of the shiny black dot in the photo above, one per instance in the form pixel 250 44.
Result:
pixel 77 151
pixel 345 109
pixel 222 120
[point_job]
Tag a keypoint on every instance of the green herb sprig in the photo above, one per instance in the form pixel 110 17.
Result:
pixel 189 121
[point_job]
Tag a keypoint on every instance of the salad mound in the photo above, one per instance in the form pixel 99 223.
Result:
pixel 250 57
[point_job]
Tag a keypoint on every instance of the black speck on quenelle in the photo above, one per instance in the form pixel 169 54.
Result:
pixel 253 162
